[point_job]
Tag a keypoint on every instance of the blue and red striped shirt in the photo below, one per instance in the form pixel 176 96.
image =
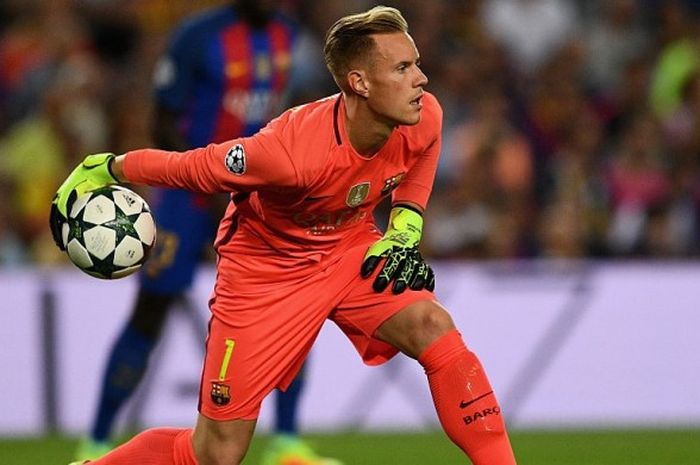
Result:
pixel 225 78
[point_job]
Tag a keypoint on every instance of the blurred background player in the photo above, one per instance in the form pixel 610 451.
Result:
pixel 225 74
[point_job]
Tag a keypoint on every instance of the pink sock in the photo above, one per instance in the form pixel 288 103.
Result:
pixel 465 402
pixel 158 446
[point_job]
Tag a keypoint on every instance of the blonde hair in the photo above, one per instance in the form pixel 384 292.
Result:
pixel 349 38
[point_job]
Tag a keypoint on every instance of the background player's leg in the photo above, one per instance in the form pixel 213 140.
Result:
pixel 464 399
pixel 286 406
pixel 125 368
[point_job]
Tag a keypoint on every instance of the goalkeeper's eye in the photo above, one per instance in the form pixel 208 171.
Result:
pixel 403 66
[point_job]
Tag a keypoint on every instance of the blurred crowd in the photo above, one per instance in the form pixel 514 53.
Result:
pixel 572 127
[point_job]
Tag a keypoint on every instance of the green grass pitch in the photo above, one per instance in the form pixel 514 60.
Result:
pixel 615 447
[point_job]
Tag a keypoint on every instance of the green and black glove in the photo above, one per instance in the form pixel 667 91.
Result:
pixel 89 175
pixel 403 263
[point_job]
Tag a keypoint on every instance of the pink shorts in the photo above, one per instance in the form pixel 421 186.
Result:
pixel 262 329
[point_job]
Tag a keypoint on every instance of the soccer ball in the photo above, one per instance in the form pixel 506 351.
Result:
pixel 109 233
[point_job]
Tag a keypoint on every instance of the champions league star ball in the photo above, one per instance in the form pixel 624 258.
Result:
pixel 109 233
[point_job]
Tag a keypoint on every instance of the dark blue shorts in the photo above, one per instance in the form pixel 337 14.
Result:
pixel 186 225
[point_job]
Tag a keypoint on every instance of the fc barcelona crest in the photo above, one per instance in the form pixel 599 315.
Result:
pixel 392 183
pixel 220 393
pixel 357 194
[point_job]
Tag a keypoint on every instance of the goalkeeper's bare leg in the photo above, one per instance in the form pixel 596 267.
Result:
pixel 463 397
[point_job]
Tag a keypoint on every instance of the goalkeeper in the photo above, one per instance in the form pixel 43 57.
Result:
pixel 298 245
pixel 191 79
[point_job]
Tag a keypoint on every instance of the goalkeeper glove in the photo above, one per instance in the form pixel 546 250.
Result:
pixel 399 247
pixel 91 174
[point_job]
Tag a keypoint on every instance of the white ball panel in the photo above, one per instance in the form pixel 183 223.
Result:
pixel 99 210
pixel 146 228
pixel 65 230
pixel 128 252
pixel 127 201
pixel 78 254
pixel 79 204
pixel 100 241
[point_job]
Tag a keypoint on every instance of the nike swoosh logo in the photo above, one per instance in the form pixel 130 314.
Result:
pixel 467 404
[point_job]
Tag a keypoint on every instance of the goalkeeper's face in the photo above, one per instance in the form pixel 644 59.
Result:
pixel 395 80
